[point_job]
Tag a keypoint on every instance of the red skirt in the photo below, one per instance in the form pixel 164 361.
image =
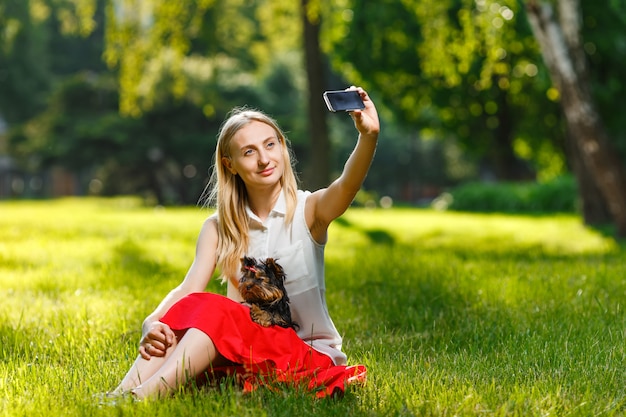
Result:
pixel 264 355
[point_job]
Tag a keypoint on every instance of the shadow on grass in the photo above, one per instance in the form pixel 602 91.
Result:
pixel 610 232
pixel 456 300
pixel 131 266
pixel 377 236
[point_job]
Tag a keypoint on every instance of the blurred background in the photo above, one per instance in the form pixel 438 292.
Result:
pixel 510 106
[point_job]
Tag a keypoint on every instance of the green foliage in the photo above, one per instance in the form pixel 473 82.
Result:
pixel 555 196
pixel 452 313
pixel 467 73
pixel 41 40
pixel 167 152
pixel 604 35
pixel 466 70
pixel 82 130
pixel 140 33
pixel 237 38
pixel 23 74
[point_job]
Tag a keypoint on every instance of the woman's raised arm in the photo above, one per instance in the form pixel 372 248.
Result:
pixel 326 204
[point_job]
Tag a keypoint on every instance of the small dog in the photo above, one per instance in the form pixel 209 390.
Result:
pixel 262 286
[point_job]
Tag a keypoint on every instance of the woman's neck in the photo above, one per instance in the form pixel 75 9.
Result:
pixel 261 202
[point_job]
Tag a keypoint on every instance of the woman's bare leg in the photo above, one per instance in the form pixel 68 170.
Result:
pixel 194 354
pixel 142 369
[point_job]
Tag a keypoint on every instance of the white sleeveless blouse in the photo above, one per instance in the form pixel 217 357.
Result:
pixel 302 258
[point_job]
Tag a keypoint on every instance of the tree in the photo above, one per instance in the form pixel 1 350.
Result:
pixel 34 42
pixel 559 36
pixel 183 69
pixel 474 70
pixel 164 154
pixel 23 63
pixel 455 68
pixel 319 171
pixel 251 34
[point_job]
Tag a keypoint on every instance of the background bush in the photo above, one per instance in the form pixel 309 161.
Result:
pixel 555 196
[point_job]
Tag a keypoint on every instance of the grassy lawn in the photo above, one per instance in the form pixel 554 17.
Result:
pixel 453 314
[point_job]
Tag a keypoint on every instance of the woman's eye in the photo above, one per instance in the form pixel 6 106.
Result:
pixel 248 152
pixel 271 144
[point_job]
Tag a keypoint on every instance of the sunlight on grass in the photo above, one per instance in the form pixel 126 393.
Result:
pixel 453 314
pixel 476 232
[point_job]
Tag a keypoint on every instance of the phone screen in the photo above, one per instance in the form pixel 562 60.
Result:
pixel 343 100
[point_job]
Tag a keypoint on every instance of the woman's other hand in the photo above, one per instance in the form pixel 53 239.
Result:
pixel 158 337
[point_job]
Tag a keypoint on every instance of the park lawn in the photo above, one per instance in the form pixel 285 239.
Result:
pixel 452 313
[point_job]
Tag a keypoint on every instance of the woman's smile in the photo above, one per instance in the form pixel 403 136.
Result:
pixel 267 172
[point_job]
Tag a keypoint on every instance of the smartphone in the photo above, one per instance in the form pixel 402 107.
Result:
pixel 344 100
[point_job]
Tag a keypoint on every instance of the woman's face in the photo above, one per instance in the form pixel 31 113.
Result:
pixel 256 155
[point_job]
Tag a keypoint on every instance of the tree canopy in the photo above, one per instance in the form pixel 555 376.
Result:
pixel 468 76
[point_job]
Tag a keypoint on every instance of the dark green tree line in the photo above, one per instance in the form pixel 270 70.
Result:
pixel 164 143
pixel 457 71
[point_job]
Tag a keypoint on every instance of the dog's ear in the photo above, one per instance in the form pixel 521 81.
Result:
pixel 271 264
pixel 247 261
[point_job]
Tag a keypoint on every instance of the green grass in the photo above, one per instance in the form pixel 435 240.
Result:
pixel 453 314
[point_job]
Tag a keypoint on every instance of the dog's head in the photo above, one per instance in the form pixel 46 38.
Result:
pixel 262 282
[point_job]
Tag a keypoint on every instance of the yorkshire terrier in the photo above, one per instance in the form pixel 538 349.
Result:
pixel 262 286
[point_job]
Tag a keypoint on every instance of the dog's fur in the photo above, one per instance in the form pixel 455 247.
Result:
pixel 262 286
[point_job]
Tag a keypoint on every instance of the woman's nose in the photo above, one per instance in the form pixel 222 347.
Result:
pixel 263 158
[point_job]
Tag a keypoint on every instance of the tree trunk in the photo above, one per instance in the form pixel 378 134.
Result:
pixel 562 51
pixel 592 205
pixel 318 172
pixel 507 166
pixel 155 186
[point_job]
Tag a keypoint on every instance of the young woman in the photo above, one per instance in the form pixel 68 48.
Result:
pixel 259 213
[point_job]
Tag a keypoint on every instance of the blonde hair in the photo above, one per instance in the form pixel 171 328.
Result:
pixel 227 192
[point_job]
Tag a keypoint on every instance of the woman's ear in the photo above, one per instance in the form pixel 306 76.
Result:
pixel 228 163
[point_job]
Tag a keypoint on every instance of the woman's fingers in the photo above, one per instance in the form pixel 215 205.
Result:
pixel 156 342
